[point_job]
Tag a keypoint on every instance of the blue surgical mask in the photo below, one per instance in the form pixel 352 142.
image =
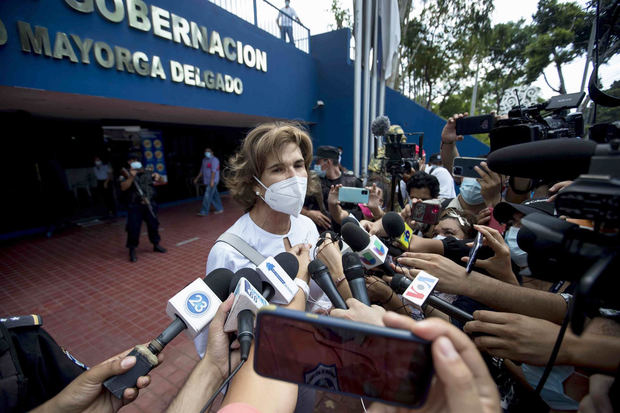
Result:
pixel 317 169
pixel 516 254
pixel 208 155
pixel 470 191
pixel 136 165
pixel 553 390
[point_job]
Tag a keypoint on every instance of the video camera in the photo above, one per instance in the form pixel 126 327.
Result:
pixel 546 120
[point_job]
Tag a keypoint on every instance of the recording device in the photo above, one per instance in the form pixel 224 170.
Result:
pixel 542 121
pixel 473 252
pixel 426 212
pixel 191 309
pixel 370 249
pixel 464 167
pixel 342 356
pixel 474 124
pixel 320 274
pixel 353 195
pixel 419 293
pixel 396 228
pixel 354 271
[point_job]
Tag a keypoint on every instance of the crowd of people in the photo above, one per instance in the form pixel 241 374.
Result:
pixel 290 195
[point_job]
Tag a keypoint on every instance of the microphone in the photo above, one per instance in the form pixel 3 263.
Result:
pixel 561 159
pixel 271 270
pixel 380 126
pixel 192 308
pixel 371 250
pixel 246 285
pixel 319 273
pixel 396 228
pixel 418 293
pixel 354 271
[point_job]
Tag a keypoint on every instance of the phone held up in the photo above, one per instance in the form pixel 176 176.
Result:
pixel 464 167
pixel 474 124
pixel 342 356
pixel 425 212
pixel 353 195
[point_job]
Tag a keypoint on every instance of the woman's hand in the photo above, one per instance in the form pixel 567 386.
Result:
pixel 452 277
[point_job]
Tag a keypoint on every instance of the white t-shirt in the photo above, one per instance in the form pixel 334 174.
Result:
pixel 285 16
pixel 446 182
pixel 223 255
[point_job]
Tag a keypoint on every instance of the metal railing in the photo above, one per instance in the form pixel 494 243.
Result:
pixel 264 15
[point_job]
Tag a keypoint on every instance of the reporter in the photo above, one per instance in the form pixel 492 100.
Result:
pixel 455 223
pixel 360 312
pixel 499 265
pixel 86 392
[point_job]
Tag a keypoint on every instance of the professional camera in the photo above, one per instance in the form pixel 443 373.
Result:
pixel 546 120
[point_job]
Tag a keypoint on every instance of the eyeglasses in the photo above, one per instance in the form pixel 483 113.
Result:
pixel 452 213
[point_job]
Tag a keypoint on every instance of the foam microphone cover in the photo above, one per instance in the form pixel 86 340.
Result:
pixel 393 224
pixel 250 275
pixel 347 220
pixel 380 126
pixel 355 236
pixel 289 263
pixel 218 281
pixel 352 266
pixel 561 159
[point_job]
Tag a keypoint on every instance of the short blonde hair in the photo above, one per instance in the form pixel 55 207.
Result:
pixel 251 159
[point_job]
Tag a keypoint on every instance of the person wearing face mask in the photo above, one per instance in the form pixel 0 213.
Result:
pixel 210 174
pixel 454 223
pixel 138 185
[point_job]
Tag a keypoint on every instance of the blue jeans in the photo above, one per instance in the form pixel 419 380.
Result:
pixel 288 30
pixel 211 196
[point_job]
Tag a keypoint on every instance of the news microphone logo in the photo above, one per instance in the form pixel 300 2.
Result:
pixel 197 303
pixel 246 298
pixel 405 238
pixel 420 289
pixel 272 268
pixel 378 247
pixel 285 288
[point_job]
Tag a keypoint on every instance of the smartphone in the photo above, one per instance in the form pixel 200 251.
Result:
pixel 473 252
pixel 425 212
pixel 475 124
pixel 342 356
pixel 464 166
pixel 352 194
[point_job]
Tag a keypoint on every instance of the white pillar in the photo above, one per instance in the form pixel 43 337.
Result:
pixel 357 84
pixel 366 96
pixel 373 87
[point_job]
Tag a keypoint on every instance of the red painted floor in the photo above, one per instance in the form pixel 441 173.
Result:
pixel 96 303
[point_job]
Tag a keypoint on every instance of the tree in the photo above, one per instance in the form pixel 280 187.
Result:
pixel 342 16
pixel 560 34
pixel 505 60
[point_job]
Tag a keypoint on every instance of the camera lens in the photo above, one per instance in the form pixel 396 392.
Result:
pixel 364 192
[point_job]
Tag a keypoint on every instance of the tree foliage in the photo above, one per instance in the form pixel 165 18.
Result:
pixel 342 16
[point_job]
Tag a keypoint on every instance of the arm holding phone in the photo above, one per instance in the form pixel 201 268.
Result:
pixel 499 265
pixel 448 141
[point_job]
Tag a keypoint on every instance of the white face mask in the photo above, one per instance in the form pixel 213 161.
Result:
pixel 286 196
pixel 439 236
pixel 208 154
pixel 135 165
pixel 516 254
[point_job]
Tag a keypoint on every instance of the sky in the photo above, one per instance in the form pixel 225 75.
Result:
pixel 316 16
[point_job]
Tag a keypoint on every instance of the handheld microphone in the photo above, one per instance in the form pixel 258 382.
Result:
pixel 561 159
pixel 396 228
pixel 319 273
pixel 271 271
pixel 246 285
pixel 370 249
pixel 418 293
pixel 192 308
pixel 354 271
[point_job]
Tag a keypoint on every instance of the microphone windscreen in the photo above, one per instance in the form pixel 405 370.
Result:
pixel 289 263
pixel 380 126
pixel 561 159
pixel 323 238
pixel 352 266
pixel 218 281
pixel 316 266
pixel 355 236
pixel 393 224
pixel 250 275
pixel 347 220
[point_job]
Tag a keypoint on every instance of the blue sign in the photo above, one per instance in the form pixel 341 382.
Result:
pixel 197 303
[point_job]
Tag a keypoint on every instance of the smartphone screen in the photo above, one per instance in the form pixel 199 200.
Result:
pixel 464 167
pixel 473 252
pixel 353 195
pixel 342 356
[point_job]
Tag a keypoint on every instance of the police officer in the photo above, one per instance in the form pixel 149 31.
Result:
pixel 138 183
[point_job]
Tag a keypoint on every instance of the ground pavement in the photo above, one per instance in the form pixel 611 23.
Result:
pixel 95 303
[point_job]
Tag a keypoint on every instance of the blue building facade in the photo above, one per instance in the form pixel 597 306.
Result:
pixel 188 69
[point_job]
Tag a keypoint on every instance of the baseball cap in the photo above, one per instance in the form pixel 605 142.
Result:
pixel 504 210
pixel 327 152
